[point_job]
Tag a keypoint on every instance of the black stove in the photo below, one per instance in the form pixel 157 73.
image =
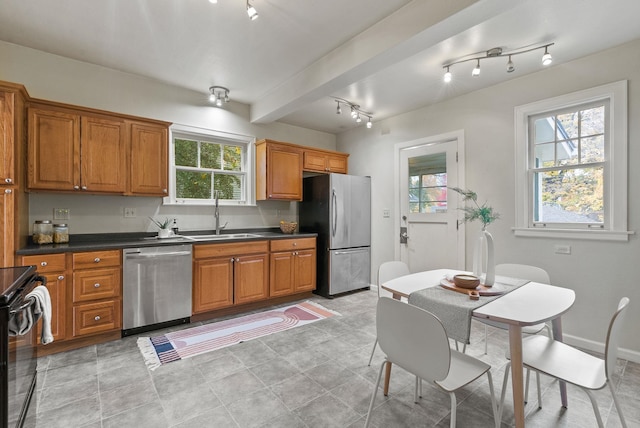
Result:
pixel 17 349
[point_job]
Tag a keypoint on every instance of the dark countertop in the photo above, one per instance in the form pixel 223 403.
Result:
pixel 116 241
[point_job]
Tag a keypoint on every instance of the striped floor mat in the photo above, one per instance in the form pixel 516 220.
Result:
pixel 189 342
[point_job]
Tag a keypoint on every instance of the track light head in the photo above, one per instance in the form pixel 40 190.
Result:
pixel 447 76
pixel 369 124
pixel 338 109
pixel 510 67
pixel 251 11
pixel 546 58
pixel 476 70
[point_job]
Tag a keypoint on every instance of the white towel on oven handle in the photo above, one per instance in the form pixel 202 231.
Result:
pixel 42 308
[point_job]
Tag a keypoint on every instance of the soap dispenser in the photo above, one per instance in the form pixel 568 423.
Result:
pixel 174 227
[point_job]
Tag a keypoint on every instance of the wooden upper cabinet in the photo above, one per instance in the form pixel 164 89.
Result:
pixel 325 161
pixel 278 171
pixel 149 163
pixel 7 169
pixel 53 150
pixel 69 151
pixel 102 155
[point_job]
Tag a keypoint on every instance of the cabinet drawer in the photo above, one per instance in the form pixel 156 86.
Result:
pixel 96 284
pixel 46 262
pixel 292 244
pixel 93 318
pixel 96 259
pixel 229 250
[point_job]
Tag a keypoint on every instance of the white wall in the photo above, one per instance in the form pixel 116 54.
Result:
pixel 55 78
pixel 599 272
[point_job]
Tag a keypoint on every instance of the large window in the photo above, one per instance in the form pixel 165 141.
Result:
pixel 206 164
pixel 571 166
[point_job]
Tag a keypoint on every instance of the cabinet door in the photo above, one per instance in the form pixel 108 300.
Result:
pixel 305 270
pixel 7 216
pixel 97 317
pixel 281 279
pixel 56 284
pixel 102 155
pixel 212 284
pixel 54 150
pixel 7 171
pixel 251 278
pixel 337 164
pixel 149 160
pixel 314 161
pixel 284 173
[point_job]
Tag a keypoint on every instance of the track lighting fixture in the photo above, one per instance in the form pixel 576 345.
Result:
pixel 218 95
pixel 251 11
pixel 356 112
pixel 495 53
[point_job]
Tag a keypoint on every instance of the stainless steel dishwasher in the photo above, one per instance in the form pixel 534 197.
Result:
pixel 156 287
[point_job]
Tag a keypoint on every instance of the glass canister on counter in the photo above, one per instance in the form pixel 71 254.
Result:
pixel 60 233
pixel 42 232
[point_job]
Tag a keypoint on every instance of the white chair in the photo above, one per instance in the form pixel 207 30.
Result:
pixel 530 273
pixel 563 362
pixel 386 272
pixel 415 340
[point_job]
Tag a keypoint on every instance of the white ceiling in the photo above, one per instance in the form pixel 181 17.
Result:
pixel 386 56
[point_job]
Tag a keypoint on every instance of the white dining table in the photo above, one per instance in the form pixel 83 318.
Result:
pixel 530 304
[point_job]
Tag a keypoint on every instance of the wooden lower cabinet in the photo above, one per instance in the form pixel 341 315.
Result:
pixel 96 305
pixel 292 266
pixel 229 274
pixel 53 268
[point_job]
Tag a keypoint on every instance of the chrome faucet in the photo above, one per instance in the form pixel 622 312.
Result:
pixel 217 214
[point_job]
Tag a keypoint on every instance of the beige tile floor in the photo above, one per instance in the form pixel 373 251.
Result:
pixel 310 376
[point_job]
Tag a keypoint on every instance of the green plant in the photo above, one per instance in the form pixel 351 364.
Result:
pixel 483 212
pixel 161 224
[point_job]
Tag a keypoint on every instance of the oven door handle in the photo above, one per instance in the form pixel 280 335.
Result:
pixel 30 301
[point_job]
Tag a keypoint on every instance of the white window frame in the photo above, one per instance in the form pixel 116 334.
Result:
pixel 248 166
pixel 615 165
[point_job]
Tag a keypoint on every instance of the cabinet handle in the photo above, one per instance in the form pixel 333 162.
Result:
pixel 96 285
pixel 97 260
pixel 164 190
pixel 8 180
pixel 8 191
pixel 84 187
pixel 97 318
pixel 60 277
pixel 232 260
pixel 43 264
pixel 295 244
pixel 76 187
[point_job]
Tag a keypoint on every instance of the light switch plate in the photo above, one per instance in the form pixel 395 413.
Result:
pixel 386 213
pixel 61 213
pixel 563 249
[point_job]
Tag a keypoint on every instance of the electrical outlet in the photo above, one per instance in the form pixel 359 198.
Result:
pixel 386 213
pixel 61 213
pixel 129 212
pixel 563 249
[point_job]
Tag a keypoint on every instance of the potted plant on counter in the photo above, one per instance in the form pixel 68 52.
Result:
pixel 165 227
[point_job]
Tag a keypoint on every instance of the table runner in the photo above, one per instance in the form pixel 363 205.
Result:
pixel 455 309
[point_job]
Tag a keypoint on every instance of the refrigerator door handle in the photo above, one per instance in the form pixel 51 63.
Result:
pixel 334 201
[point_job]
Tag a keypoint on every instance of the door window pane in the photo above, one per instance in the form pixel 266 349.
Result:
pixel 428 183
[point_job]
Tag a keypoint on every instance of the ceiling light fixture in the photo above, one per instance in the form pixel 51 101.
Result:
pixel 356 112
pixel 496 53
pixel 218 95
pixel 251 11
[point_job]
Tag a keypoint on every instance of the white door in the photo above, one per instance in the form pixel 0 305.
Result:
pixel 428 210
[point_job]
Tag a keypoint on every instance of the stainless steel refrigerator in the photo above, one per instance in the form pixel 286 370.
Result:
pixel 338 208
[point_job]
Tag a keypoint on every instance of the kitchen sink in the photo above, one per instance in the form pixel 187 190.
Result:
pixel 225 237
